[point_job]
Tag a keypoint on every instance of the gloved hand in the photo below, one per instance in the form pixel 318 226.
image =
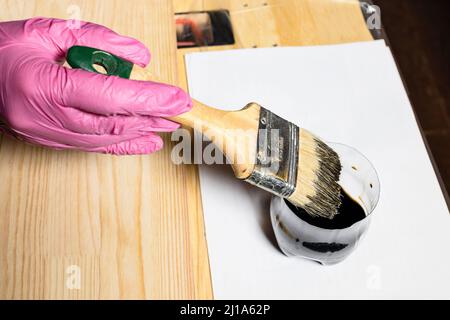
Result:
pixel 44 103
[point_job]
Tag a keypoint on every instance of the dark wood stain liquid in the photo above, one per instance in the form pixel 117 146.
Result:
pixel 349 213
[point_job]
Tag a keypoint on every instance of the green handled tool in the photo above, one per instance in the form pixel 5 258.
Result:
pixel 85 58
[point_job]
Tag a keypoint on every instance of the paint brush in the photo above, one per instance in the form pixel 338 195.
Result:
pixel 262 148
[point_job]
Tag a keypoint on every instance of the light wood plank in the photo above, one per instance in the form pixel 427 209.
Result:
pixel 264 23
pixel 132 225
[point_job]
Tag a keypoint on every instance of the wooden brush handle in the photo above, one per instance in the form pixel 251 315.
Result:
pixel 235 133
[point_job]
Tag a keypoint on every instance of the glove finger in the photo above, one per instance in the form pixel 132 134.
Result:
pixel 88 123
pixel 110 95
pixel 142 145
pixel 134 146
pixel 59 35
pixel 60 136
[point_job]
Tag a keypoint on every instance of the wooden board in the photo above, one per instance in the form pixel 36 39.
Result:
pixel 130 227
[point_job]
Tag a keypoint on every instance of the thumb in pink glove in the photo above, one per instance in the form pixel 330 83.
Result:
pixel 44 103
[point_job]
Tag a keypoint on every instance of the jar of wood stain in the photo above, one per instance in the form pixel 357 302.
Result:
pixel 330 241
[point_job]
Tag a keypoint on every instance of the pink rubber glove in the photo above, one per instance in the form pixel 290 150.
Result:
pixel 44 103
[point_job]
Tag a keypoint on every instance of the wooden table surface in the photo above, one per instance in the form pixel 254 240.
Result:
pixel 76 225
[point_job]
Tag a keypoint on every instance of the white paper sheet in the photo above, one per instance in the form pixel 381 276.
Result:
pixel 345 93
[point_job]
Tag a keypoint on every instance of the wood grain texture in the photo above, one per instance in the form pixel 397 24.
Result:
pixel 265 23
pixel 131 226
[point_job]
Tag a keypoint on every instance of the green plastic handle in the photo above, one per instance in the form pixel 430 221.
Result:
pixel 80 57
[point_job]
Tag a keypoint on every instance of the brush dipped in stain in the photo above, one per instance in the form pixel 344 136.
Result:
pixel 261 147
pixel 317 190
pixel 273 154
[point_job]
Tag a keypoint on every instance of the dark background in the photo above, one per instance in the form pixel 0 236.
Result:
pixel 419 33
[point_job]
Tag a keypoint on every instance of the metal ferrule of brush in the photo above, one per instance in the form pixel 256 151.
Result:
pixel 276 155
